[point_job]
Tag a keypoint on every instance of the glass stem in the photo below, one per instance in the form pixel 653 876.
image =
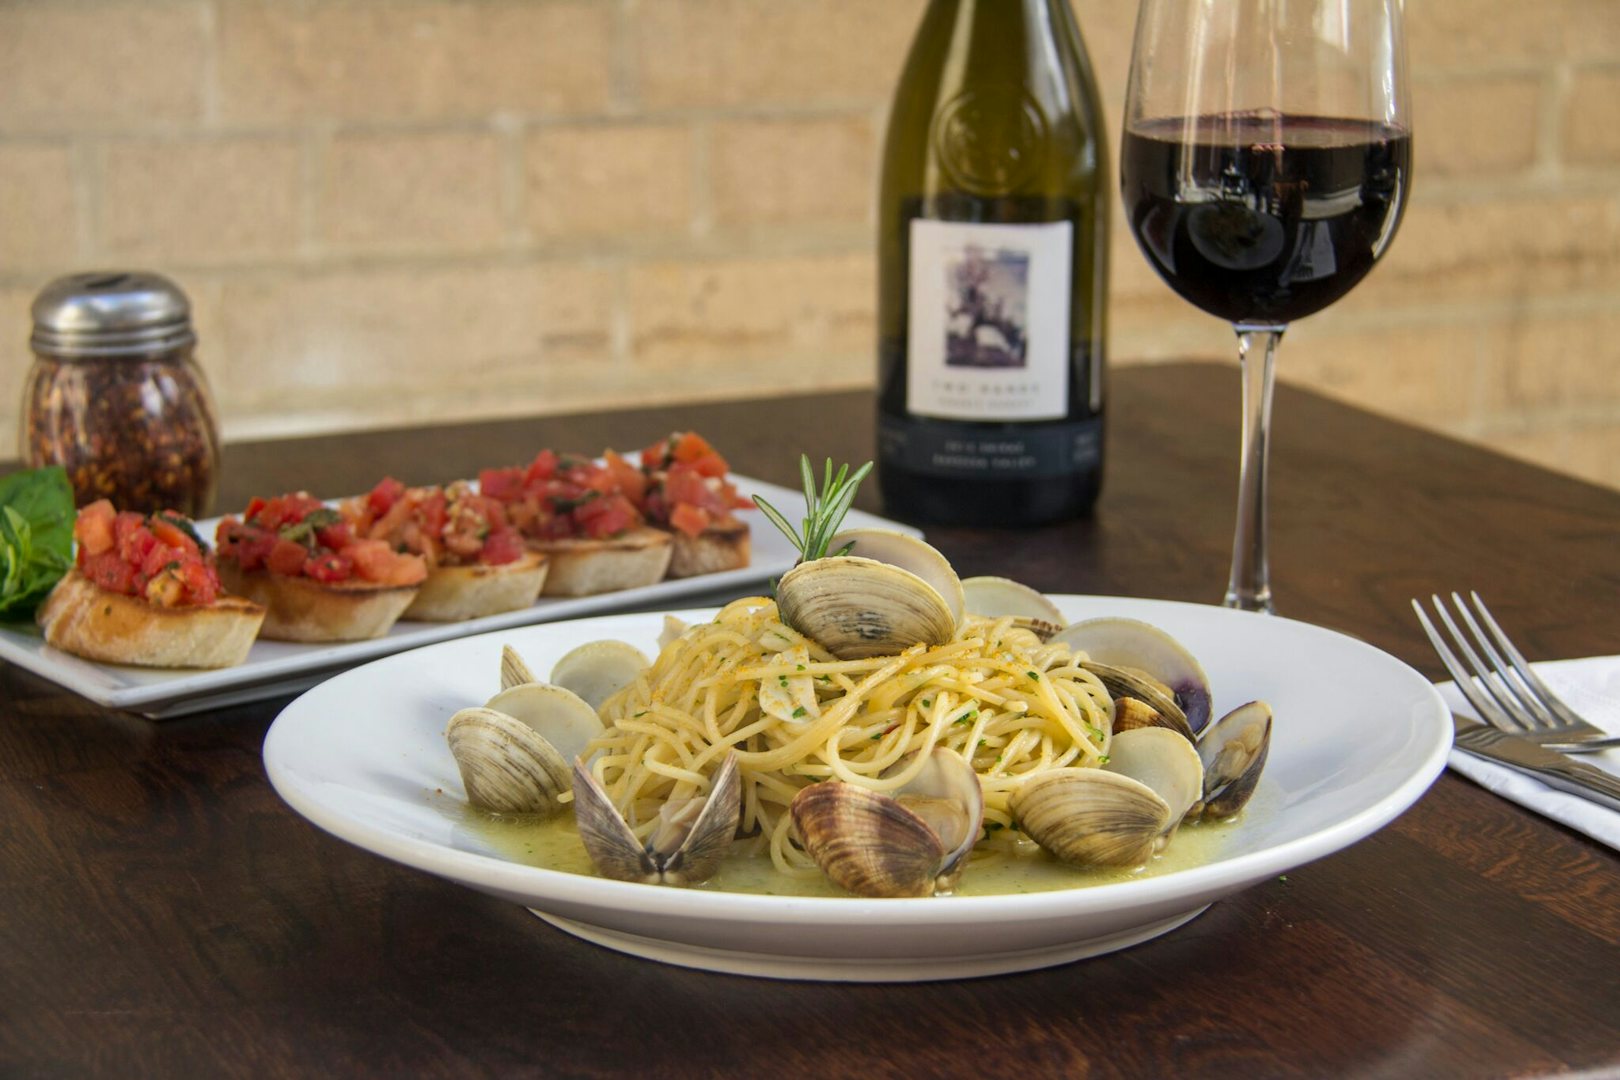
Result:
pixel 1249 587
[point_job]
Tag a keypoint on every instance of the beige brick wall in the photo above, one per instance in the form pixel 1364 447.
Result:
pixel 392 210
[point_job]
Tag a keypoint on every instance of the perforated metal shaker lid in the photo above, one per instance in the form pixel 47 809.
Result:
pixel 111 313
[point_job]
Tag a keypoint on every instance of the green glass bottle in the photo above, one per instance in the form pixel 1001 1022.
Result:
pixel 993 270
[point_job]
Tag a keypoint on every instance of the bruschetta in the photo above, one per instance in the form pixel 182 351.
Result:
pixel 477 563
pixel 577 513
pixel 687 492
pixel 317 580
pixel 143 591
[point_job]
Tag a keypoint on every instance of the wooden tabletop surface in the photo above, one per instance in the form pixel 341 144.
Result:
pixel 162 912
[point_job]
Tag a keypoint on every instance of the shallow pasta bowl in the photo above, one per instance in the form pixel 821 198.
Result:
pixel 1359 736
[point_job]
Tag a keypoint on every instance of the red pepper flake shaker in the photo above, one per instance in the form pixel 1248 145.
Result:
pixel 115 394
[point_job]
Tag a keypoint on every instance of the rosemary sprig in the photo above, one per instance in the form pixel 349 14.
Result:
pixel 824 510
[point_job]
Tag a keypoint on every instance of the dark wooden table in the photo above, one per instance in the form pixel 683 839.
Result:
pixel 163 913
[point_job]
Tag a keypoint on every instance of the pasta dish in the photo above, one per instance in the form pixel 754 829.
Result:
pixel 794 715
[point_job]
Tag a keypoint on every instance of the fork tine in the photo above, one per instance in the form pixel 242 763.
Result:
pixel 1531 713
pixel 1459 677
pixel 1506 707
pixel 1552 701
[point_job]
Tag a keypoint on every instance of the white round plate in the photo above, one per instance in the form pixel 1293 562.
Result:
pixel 1358 737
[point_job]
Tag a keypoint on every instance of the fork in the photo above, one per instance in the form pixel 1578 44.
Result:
pixel 1505 692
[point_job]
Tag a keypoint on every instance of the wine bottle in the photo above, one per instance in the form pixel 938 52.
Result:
pixel 993 253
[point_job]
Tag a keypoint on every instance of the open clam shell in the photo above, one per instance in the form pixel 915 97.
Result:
pixel 513 753
pixel 1137 659
pixel 890 592
pixel 913 842
pixel 1234 751
pixel 691 839
pixel 996 597
pixel 1119 815
pixel 597 670
pixel 514 669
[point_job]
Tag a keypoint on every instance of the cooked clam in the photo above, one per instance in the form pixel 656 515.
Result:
pixel 513 753
pixel 913 842
pixel 1233 750
pixel 1137 659
pixel 1120 814
pixel 597 670
pixel 686 846
pixel 514 672
pixel 996 597
pixel 891 591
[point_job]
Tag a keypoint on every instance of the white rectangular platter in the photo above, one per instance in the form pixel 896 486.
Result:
pixel 274 668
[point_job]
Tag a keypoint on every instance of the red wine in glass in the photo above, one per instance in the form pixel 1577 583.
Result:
pixel 1264 218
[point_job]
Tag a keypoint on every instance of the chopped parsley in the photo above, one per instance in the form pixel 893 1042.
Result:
pixel 798 712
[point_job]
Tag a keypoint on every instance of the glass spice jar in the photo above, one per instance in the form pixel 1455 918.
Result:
pixel 115 394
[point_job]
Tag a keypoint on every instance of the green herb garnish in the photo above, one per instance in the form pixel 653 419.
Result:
pixel 823 511
pixel 303 532
pixel 798 712
pixel 36 537
pixel 568 506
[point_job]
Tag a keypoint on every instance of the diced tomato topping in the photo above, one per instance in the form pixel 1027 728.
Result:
pixel 503 484
pixel 626 477
pixel 287 557
pixel 501 547
pixel 543 467
pixel 336 536
pixel 109 571
pixel 154 558
pixel 607 516
pixel 328 566
pixel 297 535
pixel 560 496
pixel 375 561
pixel 167 532
pixel 689 519
pixel 687 484
pixel 387 492
pixel 93 528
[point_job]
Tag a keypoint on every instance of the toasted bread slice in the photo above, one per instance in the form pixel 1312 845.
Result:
pixel 454 593
pixel 81 617
pixel 301 609
pixel 582 567
pixel 719 547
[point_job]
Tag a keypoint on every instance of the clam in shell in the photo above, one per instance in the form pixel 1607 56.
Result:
pixel 1234 751
pixel 597 670
pixel 997 597
pixel 1137 659
pixel 1121 814
pixel 911 843
pixel 692 836
pixel 513 753
pixel 891 591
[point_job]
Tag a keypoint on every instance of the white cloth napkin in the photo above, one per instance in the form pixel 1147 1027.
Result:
pixel 1592 688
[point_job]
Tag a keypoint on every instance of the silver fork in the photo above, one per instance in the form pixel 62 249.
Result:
pixel 1505 692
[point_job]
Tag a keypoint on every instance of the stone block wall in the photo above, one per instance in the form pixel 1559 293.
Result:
pixel 390 211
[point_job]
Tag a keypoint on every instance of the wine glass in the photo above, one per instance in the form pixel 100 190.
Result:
pixel 1265 163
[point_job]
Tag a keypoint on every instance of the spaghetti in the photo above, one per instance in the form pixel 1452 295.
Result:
pixel 794 714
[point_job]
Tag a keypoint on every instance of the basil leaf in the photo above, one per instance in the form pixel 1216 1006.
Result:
pixel 36 537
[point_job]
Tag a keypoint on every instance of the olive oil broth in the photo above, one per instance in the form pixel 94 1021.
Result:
pixel 553 844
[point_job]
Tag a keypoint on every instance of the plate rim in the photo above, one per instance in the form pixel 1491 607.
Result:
pixel 1213 880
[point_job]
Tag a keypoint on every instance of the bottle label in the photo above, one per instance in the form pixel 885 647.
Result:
pixel 968 451
pixel 988 327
